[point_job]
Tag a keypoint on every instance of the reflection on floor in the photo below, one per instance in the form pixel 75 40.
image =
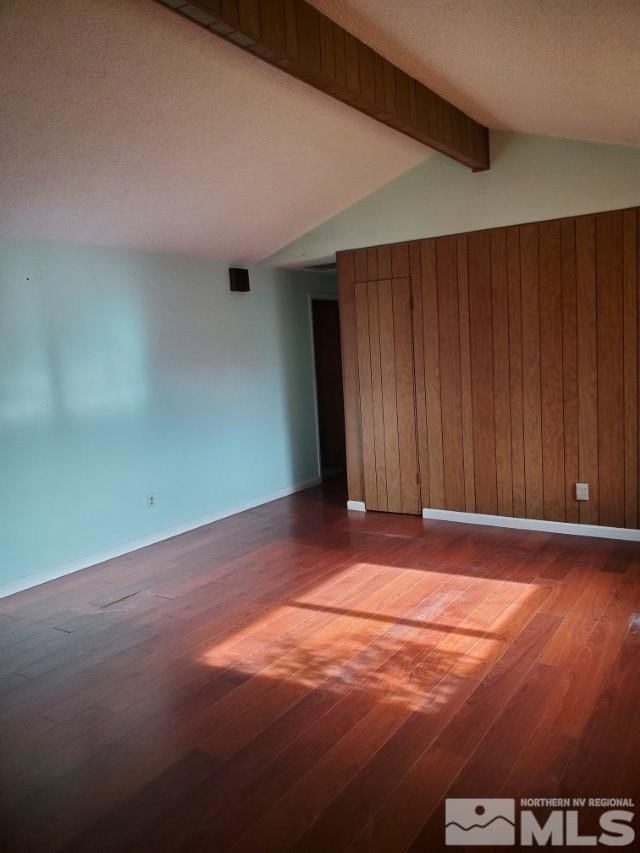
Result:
pixel 300 677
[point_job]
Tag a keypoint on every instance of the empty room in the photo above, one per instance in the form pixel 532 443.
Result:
pixel 319 425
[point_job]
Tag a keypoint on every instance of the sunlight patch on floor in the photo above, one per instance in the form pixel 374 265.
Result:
pixel 404 648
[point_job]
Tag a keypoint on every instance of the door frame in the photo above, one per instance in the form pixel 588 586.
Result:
pixel 311 298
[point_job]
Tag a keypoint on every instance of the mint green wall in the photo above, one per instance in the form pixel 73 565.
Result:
pixel 123 374
pixel 531 178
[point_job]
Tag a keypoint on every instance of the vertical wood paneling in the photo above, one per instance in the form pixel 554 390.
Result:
pixel 587 365
pixel 384 262
pixel 389 396
pixel 465 374
pixel 361 265
pixel 376 394
pixel 518 365
pixel 481 338
pixel 515 372
pixel 400 260
pixel 501 379
pixel 350 379
pixel 611 425
pixel 570 367
pixel 630 272
pixel 372 265
pixel 405 390
pixel 366 396
pixel 551 391
pixel 531 408
pixel 418 357
pixel 432 372
pixel 451 398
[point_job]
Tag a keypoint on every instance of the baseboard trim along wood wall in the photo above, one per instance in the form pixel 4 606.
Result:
pixel 94 559
pixel 533 524
pixel 356 506
pixel 525 372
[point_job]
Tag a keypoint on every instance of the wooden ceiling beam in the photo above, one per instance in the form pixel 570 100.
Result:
pixel 296 37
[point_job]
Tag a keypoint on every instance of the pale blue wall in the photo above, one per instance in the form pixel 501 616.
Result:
pixel 531 178
pixel 125 373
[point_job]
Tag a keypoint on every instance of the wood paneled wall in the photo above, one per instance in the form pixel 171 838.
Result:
pixel 525 343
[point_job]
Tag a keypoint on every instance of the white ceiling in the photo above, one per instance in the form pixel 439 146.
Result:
pixel 124 124
pixel 568 68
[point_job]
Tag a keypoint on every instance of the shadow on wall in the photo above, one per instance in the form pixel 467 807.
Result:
pixel 126 374
pixel 295 341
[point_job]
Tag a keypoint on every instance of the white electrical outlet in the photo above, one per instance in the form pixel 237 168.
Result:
pixel 582 491
pixel 151 501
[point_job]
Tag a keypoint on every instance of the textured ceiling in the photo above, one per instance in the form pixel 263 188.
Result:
pixel 124 124
pixel 568 68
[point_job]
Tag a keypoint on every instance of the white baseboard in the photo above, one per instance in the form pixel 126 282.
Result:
pixel 134 544
pixel 356 506
pixel 533 524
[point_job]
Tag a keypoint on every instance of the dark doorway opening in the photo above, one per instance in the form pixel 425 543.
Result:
pixel 328 366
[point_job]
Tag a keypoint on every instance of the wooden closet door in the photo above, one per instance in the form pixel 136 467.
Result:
pixel 387 395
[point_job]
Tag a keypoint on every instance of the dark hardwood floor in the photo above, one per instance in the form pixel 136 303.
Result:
pixel 297 677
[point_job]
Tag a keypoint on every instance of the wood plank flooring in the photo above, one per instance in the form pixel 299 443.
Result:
pixel 302 678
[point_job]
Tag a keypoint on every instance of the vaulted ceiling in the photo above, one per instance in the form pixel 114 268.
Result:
pixel 124 124
pixel 568 68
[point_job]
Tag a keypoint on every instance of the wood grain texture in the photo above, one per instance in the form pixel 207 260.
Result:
pixel 531 379
pixel 465 374
pixel 527 362
pixel 298 677
pixel 350 379
pixel 415 269
pixel 380 337
pixel 295 36
pixel 482 390
pixel 390 409
pixel 551 371
pixel 384 262
pixel 501 373
pixel 361 261
pixel 405 396
pixel 570 366
pixel 587 365
pixel 365 385
pixel 515 373
pixel 450 374
pixel 377 405
pixel 630 314
pixel 431 368
pixel 611 423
